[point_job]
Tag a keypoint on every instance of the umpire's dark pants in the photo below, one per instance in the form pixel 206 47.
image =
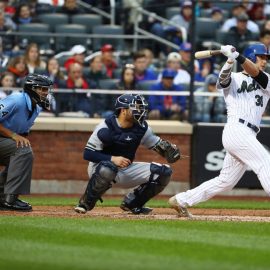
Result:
pixel 18 162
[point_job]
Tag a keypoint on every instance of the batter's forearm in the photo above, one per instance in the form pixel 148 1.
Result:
pixel 224 78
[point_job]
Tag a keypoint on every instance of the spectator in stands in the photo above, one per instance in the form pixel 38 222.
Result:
pixel 7 81
pixel 78 101
pixel 17 66
pixel 3 57
pixel 108 59
pixel 97 71
pixel 266 25
pixel 206 67
pixel 55 3
pixel 54 73
pixel 240 34
pixel 173 62
pixel 167 107
pixel 185 53
pixel 149 55
pixel 236 11
pixel 8 13
pixel 78 56
pixel 70 8
pixel 184 18
pixel 127 80
pixel 169 32
pixel 100 102
pixel 142 73
pixel 8 41
pixel 217 15
pixel 23 15
pixel 7 7
pixel 265 38
pixel 256 12
pixel 209 108
pixel 33 59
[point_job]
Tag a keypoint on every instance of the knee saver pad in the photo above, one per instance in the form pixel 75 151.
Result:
pixel 107 170
pixel 163 171
pixel 160 169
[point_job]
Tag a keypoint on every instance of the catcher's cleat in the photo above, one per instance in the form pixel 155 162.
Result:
pixel 81 209
pixel 86 205
pixel 182 211
pixel 136 210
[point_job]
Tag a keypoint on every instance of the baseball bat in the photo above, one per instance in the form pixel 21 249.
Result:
pixel 206 53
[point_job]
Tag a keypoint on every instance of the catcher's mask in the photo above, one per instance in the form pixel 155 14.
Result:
pixel 136 103
pixel 35 82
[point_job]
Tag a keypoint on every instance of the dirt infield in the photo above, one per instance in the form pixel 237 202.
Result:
pixel 156 214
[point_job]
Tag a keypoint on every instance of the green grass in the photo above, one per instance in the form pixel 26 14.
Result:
pixel 88 243
pixel 110 244
pixel 226 204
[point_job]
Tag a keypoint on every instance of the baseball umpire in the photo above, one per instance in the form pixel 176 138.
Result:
pixel 18 112
pixel 111 150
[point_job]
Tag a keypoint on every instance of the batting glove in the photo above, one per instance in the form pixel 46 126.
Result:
pixel 229 51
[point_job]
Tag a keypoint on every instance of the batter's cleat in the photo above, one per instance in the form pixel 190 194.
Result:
pixel 182 211
pixel 81 209
pixel 12 203
pixel 136 210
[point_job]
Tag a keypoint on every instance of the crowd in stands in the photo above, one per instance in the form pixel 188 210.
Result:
pixel 153 67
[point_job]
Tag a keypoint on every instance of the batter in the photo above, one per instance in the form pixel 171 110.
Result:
pixel 246 95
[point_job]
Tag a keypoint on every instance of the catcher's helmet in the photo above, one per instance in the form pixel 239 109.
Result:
pixel 34 81
pixel 256 49
pixel 136 103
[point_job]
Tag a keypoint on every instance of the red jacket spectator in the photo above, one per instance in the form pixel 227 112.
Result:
pixel 108 60
pixel 78 52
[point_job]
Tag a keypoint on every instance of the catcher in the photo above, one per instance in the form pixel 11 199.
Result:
pixel 111 150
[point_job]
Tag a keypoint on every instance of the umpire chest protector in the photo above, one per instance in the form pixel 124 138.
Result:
pixel 121 141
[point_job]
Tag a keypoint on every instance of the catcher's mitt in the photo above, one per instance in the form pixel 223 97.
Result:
pixel 168 150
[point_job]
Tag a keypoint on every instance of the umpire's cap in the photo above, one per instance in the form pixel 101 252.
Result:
pixel 256 49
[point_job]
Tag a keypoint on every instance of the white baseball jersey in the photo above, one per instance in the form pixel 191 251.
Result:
pixel 245 100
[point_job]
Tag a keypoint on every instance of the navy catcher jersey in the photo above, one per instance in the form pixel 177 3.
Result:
pixel 109 138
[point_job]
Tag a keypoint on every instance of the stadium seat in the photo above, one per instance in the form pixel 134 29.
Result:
pixel 108 83
pixel 43 41
pixel 225 5
pixel 53 19
pixel 104 30
pixel 206 13
pixel 65 43
pixel 146 85
pixel 41 71
pixel 117 73
pixel 171 11
pixel 88 20
pixel 205 29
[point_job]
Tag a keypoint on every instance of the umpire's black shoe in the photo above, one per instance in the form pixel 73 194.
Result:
pixel 12 203
pixel 136 210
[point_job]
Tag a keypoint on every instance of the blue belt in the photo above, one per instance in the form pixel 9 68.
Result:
pixel 253 127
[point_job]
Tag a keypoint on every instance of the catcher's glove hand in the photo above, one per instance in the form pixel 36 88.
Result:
pixel 168 150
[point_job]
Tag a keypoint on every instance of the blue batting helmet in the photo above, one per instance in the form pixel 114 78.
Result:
pixel 136 103
pixel 256 49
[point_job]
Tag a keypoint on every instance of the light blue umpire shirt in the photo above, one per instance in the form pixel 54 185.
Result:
pixel 16 112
